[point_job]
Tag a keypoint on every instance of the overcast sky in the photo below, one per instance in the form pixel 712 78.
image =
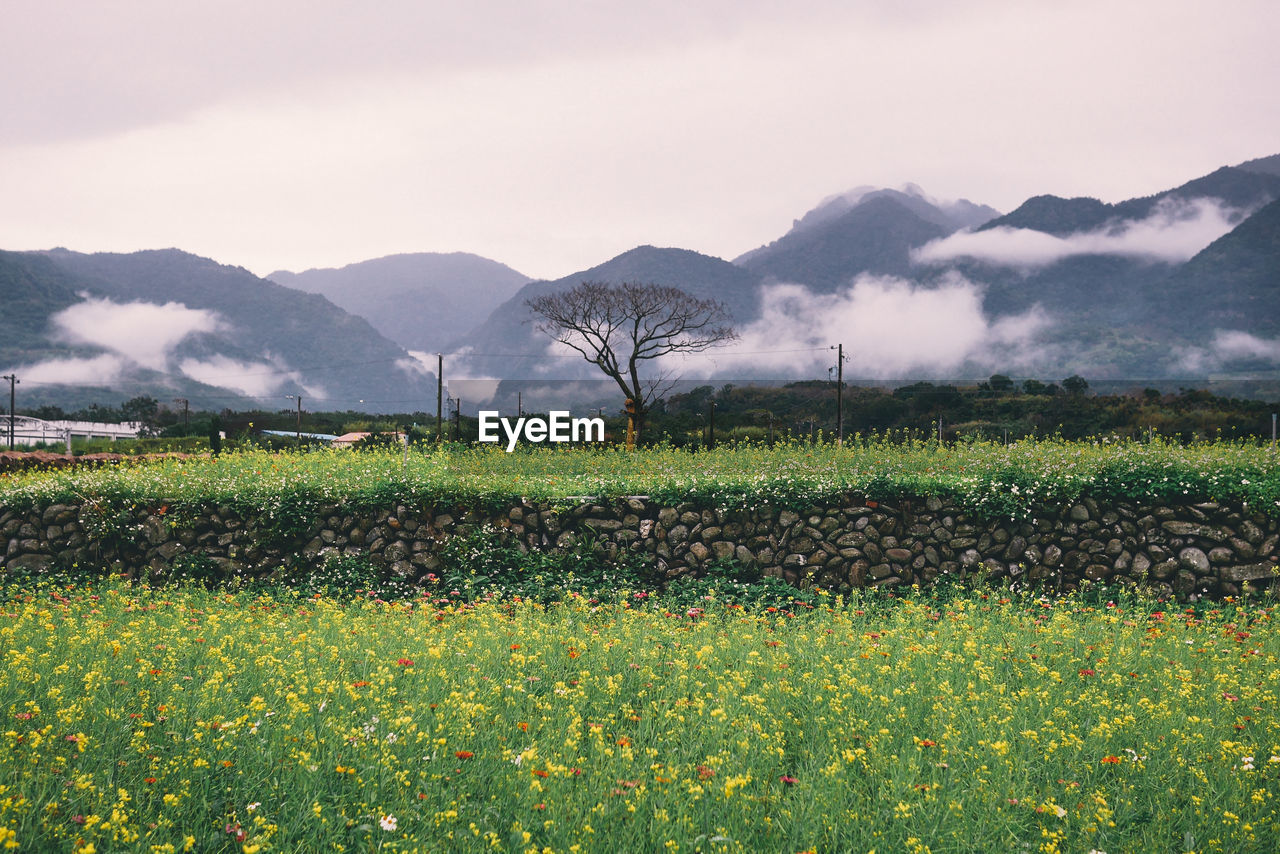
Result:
pixel 551 136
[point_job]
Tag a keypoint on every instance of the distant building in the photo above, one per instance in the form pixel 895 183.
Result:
pixel 34 431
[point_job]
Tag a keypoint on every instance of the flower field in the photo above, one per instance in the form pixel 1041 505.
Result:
pixel 987 477
pixel 186 719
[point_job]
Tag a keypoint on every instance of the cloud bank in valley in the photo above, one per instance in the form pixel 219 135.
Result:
pixel 1227 346
pixel 146 335
pixel 1175 231
pixel 891 328
pixel 74 371
pixel 254 379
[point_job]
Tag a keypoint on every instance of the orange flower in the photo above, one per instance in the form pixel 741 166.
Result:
pixel 1111 760
pixel 538 772
pixel 464 754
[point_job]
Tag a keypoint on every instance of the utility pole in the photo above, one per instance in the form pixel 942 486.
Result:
pixel 13 380
pixel 711 425
pixel 298 423
pixel 839 348
pixel 439 398
pixel 186 413
pixel 520 405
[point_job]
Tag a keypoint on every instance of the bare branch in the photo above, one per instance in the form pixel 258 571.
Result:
pixel 617 328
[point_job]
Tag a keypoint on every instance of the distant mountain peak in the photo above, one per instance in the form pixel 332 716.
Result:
pixel 953 215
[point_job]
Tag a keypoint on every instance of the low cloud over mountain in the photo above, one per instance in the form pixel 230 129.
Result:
pixel 1175 231
pixel 140 332
pixel 891 327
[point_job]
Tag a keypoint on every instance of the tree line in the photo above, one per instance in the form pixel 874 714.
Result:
pixel 996 409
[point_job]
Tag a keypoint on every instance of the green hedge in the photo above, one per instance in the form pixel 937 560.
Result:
pixel 989 478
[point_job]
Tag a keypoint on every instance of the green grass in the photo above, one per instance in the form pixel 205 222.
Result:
pixel 158 720
pixel 985 477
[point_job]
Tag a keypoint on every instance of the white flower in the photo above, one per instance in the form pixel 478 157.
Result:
pixel 253 806
pixel 1059 811
pixel 387 823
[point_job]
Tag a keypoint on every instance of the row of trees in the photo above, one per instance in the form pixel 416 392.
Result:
pixel 987 410
pixel 803 410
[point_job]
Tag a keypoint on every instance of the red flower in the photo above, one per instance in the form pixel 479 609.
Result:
pixel 405 662
pixel 788 780
pixel 538 772
pixel 1111 760
pixel 1088 671
pixel 705 773
pixel 464 754
pixel 928 742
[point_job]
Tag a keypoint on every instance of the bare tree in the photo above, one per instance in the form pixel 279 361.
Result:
pixel 616 328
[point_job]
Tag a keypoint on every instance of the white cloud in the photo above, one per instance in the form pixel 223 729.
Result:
pixel 255 379
pixel 890 328
pixel 93 371
pixel 1228 345
pixel 1234 344
pixel 143 333
pixel 1175 231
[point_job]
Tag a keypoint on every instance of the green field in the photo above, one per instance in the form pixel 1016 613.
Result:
pixel 184 719
pixel 269 719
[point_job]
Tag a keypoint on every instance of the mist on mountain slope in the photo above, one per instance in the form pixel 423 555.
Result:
pixel 1174 232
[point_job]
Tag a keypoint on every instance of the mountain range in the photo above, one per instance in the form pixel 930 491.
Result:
pixel 169 324
pixel 1180 285
pixel 423 301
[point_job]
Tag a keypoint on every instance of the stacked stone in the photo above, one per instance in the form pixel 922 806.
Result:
pixel 1191 550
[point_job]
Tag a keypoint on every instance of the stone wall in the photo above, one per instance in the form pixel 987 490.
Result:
pixel 1192 550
